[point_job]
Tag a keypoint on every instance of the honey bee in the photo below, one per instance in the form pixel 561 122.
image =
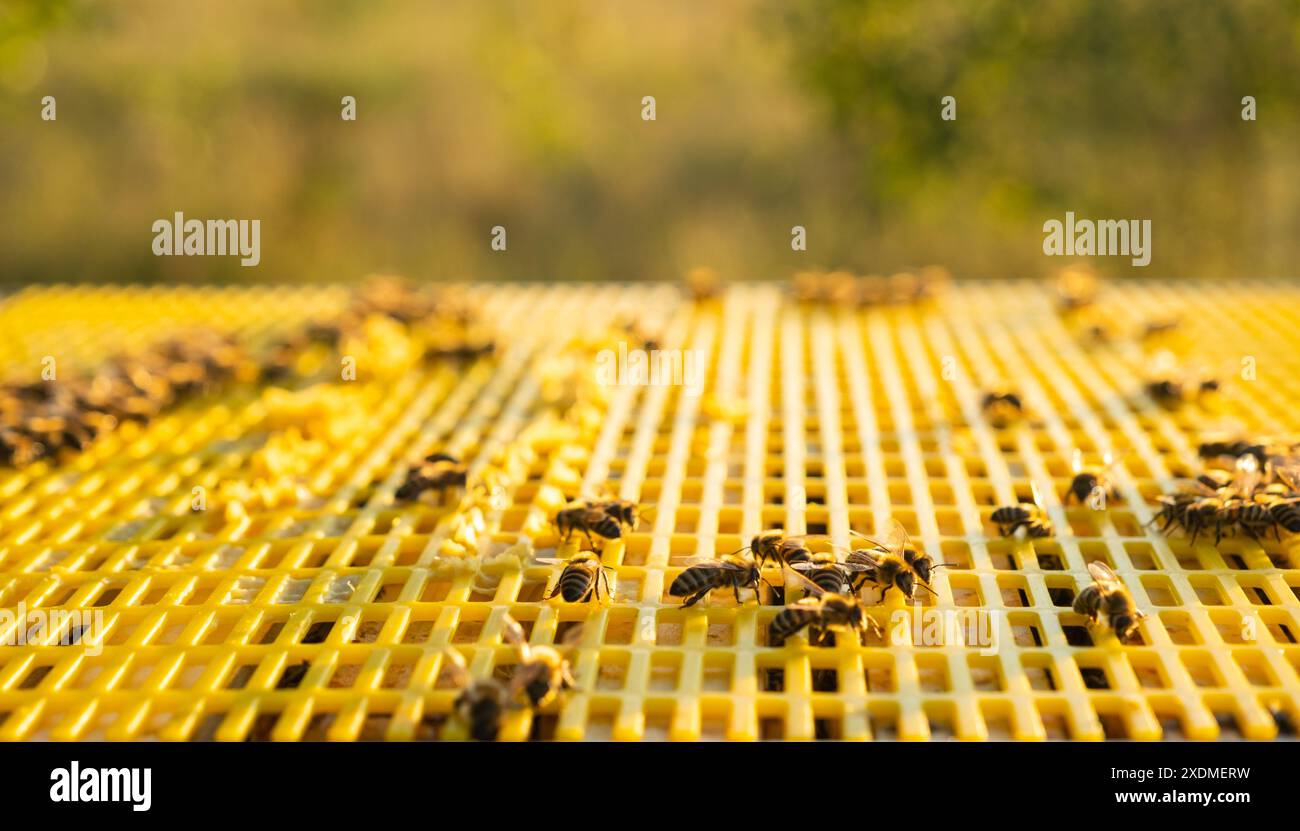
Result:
pixel 1027 515
pixel 580 580
pixel 481 703
pixel 1088 481
pixel 543 674
pixel 627 512
pixel 438 472
pixel 707 574
pixel 829 573
pixel 1234 449
pixel 1172 386
pixel 1284 502
pixel 1267 450
pixel 1224 501
pixel 1222 510
pixel 895 563
pixel 1174 508
pixel 775 546
pixel 1108 596
pixel 825 612
pixel 588 518
pixel 1002 407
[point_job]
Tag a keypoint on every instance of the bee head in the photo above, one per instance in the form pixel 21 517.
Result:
pixel 906 582
pixel 922 568
pixel 1125 627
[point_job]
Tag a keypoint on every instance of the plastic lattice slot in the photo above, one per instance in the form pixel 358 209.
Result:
pixel 322 610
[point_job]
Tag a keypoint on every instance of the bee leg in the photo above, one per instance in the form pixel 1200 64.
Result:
pixel 697 597
pixel 735 588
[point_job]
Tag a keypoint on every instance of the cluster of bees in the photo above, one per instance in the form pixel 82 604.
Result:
pixel 1259 495
pixel 447 324
pixel 541 675
pixel 1087 484
pixel 1077 290
pixel 438 473
pixel 39 419
pixel 843 288
pixel 1168 382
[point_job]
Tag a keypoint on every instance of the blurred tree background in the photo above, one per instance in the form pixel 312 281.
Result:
pixel 822 113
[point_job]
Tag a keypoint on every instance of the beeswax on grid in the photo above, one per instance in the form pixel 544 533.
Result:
pixel 322 578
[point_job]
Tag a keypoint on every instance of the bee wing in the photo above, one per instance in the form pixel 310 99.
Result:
pixel 702 561
pixel 1289 474
pixel 456 666
pixel 855 567
pixel 1103 574
pixel 573 636
pixel 813 589
pixel 865 538
pixel 709 561
pixel 550 561
pixel 896 540
pixel 872 560
pixel 1247 477
pixel 513 633
pixel 1037 494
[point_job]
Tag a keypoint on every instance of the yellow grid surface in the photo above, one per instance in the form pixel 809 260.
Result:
pixel 861 415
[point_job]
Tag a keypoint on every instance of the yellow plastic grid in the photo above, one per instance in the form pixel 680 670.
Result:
pixel 862 415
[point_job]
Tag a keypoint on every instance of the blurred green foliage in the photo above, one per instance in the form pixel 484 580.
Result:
pixel 1120 109
pixel 823 113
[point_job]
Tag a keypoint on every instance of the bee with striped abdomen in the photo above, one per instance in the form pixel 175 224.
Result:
pixel 1002 407
pixel 823 612
pixel 438 472
pixel 730 570
pixel 588 518
pixel 1173 510
pixel 775 546
pixel 626 512
pixel 895 563
pixel 542 673
pixel 1027 515
pixel 1090 481
pixel 482 702
pixel 1107 596
pixel 581 578
pixel 1171 385
pixel 829 573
